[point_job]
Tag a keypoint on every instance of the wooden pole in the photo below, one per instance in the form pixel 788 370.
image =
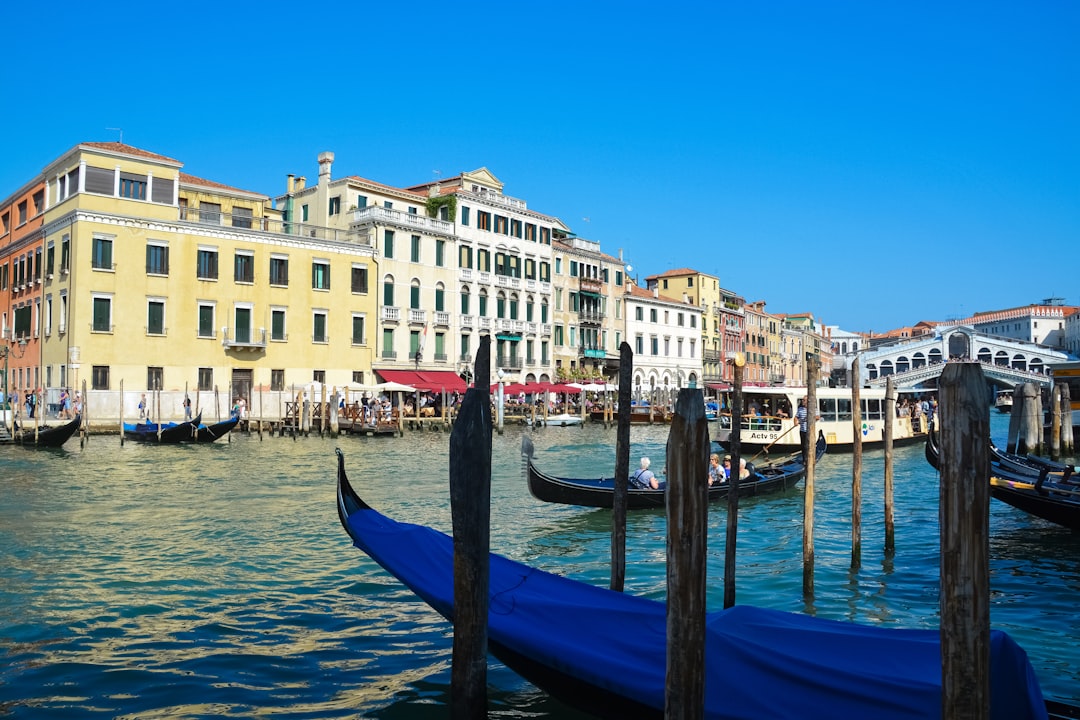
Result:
pixel 261 416
pixel 622 470
pixel 1030 420
pixel 1055 422
pixel 856 469
pixel 965 546
pixel 735 450
pixel 808 495
pixel 1067 445
pixel 157 404
pixel 1012 442
pixel 121 412
pixel 890 420
pixel 84 408
pixel 687 533
pixel 470 508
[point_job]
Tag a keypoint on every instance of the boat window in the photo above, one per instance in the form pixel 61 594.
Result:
pixel 827 409
pixel 871 409
pixel 843 409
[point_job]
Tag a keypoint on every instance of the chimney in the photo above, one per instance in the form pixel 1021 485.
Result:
pixel 433 190
pixel 656 291
pixel 300 183
pixel 290 184
pixel 326 161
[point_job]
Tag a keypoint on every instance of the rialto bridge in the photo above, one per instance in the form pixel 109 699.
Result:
pixel 918 362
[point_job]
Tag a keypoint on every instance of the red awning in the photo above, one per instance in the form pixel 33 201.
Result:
pixel 718 386
pixel 427 380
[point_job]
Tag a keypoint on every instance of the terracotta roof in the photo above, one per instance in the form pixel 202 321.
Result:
pixel 643 293
pixel 680 272
pixel 357 178
pixel 186 179
pixel 128 150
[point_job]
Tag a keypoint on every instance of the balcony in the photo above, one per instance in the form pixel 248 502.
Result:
pixel 442 319
pixel 466 274
pixel 545 329
pixel 365 218
pixel 440 357
pixel 466 321
pixel 391 314
pixel 485 323
pixel 496 198
pixel 272 225
pixel 417 317
pixel 591 317
pixel 711 355
pixel 484 278
pixel 508 363
pixel 531 328
pixel 504 325
pixel 243 339
pixel 531 285
pixel 389 355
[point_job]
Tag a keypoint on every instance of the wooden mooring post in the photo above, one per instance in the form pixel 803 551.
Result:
pixel 687 535
pixel 470 509
pixel 856 469
pixel 810 457
pixel 1055 422
pixel 890 512
pixel 734 449
pixel 964 514
pixel 620 499
pixel 1067 441
pixel 121 412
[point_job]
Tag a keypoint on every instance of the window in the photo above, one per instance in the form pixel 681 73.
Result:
pixel 206 320
pixel 335 205
pixel 210 213
pixel 358 377
pixel 500 225
pixel 482 311
pixel 99 377
pixel 358 335
pixel 440 299
pixel 530 232
pixel 652 314
pixel 303 213
pixel 206 378
pixel 154 378
pixel 483 220
pixel 39 202
pixel 655 345
pixel 277 379
pixel 320 275
pixel 558 336
pixel 388 343
pixel 464 215
pixel 465 256
pixel 22 213
pixel 388 205
pixel 414 295
pixel 207 264
pixel 573 268
pixel 133 186
pixel 440 253
pixel 318 326
pixel 155 317
pixel 465 301
pixel 102 254
pixel 277 324
pixel 414 252
pixel 244 267
pixel 319 376
pixel 102 319
pixel 279 271
pixel 359 279
pixel 388 243
pixel 558 266
pixel 388 292
pixel 242 326
pixel 241 217
pixel 361 201
pixel 157 259
pixel 50 259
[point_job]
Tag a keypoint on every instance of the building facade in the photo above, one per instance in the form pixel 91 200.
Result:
pixel 665 336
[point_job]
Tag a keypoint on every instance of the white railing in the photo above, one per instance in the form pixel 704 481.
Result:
pixel 442 318
pixel 466 274
pixel 485 323
pixel 417 316
pixel 391 314
pixel 375 214
pixel 484 278
pixel 466 320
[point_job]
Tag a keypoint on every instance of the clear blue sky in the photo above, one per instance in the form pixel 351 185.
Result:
pixel 875 163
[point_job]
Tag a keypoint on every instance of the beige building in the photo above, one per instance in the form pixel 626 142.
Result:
pixel 456 260
pixel 161 280
pixel 588 324
pixel 704 291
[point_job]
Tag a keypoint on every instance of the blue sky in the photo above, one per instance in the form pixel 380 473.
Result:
pixel 875 163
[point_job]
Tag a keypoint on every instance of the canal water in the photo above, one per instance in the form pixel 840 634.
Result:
pixel 215 581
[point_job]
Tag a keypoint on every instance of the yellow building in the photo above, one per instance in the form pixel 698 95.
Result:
pixel 161 280
pixel 703 290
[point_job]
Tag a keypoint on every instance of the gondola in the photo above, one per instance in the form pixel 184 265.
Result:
pixel 210 433
pixel 1047 496
pixel 600 492
pixel 604 652
pixel 169 432
pixel 45 436
pixel 1032 465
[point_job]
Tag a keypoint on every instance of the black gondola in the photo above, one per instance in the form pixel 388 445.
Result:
pixel 210 433
pixel 600 492
pixel 44 436
pixel 165 433
pixel 1044 495
pixel 604 652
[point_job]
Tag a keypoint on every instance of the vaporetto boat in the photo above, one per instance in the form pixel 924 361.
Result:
pixel 769 419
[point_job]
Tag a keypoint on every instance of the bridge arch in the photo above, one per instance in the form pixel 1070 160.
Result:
pixel 1001 358
pixel 1019 362
pixel 959 345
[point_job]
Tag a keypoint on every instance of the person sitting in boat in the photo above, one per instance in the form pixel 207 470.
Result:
pixel 744 472
pixel 644 478
pixel 727 467
pixel 716 472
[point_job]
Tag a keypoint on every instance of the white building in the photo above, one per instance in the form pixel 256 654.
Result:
pixel 665 334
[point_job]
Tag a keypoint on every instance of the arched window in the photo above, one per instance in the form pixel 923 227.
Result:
pixel 544 311
pixel 935 356
pixel 482 303
pixel 440 298
pixel 500 305
pixel 985 355
pixel 902 364
pixel 528 308
pixel 1036 366
pixel 1001 358
pixel 1019 362
pixel 513 306
pixel 414 294
pixel 886 368
pixel 388 291
pixel 871 371
pixel 465 298
pixel 918 360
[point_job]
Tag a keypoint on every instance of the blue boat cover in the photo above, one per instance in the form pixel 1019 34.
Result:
pixel 759 663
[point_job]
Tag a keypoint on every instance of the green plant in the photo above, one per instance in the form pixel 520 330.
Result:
pixel 439 201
